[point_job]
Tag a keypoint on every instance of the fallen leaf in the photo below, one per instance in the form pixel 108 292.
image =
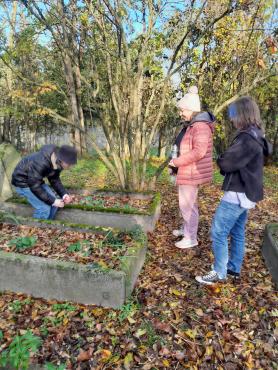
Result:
pixel 166 363
pixel 209 351
pixel 199 312
pixel 190 333
pixel 174 304
pixel 97 312
pixel 164 351
pixel 140 332
pixel 131 320
pixel 177 292
pixel 163 326
pixel 85 355
pixel 180 355
pixel 128 360
pixel 105 355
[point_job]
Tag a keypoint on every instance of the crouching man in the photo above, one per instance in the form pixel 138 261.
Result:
pixel 28 179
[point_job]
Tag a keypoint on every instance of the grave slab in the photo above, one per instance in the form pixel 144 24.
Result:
pixel 97 216
pixel 71 281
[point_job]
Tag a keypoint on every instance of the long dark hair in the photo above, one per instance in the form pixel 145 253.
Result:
pixel 244 112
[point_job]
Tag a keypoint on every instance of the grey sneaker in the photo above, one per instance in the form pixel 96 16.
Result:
pixel 209 279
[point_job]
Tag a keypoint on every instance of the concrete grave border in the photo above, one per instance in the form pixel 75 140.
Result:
pixel 98 216
pixel 70 281
pixel 270 251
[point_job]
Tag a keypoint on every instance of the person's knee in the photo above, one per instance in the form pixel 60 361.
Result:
pixel 237 232
pixel 218 231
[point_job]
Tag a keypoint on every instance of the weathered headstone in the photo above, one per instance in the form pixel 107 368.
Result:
pixel 270 250
pixel 9 157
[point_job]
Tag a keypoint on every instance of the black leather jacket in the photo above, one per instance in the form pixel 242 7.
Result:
pixel 242 164
pixel 31 170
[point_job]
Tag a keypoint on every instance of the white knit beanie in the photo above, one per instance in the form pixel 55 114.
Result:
pixel 191 100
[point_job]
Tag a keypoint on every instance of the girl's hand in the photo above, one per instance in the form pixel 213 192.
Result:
pixel 171 163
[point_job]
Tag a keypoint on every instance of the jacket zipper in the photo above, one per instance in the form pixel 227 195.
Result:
pixel 229 181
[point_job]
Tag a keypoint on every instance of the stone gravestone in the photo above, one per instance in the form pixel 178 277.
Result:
pixel 9 158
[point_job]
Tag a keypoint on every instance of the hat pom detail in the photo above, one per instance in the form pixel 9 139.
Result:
pixel 193 90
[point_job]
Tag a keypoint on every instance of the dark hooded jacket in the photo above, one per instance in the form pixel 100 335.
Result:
pixel 242 164
pixel 32 169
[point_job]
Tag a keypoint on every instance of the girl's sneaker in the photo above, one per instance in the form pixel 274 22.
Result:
pixel 178 232
pixel 209 279
pixel 234 275
pixel 186 243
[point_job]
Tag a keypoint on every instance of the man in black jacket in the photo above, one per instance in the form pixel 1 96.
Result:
pixel 28 179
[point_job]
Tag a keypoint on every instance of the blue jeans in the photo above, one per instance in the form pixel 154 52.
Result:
pixel 229 219
pixel 42 211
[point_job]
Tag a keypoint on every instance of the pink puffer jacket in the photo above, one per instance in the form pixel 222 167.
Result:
pixel 195 160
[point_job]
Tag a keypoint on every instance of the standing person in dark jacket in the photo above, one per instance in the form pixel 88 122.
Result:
pixel 242 166
pixel 31 170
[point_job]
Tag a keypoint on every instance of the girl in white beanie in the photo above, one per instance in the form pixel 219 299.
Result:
pixel 193 164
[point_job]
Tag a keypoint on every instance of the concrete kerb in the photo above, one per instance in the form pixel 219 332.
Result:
pixel 270 250
pixel 64 281
pixel 69 281
pixel 122 221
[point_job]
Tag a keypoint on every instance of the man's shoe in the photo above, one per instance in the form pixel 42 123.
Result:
pixel 186 243
pixel 234 275
pixel 178 232
pixel 209 279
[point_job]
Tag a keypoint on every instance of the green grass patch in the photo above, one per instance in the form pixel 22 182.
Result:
pixel 152 166
pixel 63 307
pixel 17 355
pixel 79 246
pixel 271 177
pixel 217 177
pixel 88 172
pixel 24 242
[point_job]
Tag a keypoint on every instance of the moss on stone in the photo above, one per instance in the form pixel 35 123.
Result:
pixel 16 199
pixel 103 209
pixel 2 150
pixel 272 230
pixel 155 203
pixel 58 224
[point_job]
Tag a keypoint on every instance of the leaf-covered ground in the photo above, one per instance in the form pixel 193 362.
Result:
pixel 111 201
pixel 170 322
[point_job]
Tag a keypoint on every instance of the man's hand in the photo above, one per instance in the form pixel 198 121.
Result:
pixel 58 203
pixel 67 199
